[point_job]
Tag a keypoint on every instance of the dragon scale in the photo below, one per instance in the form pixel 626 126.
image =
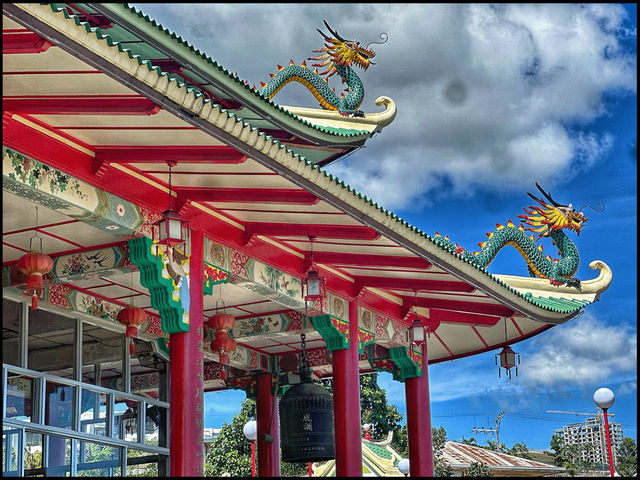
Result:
pixel 558 272
pixel 327 98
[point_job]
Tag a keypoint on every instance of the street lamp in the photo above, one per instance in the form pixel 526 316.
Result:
pixel 604 398
pixel 403 466
pixel 250 430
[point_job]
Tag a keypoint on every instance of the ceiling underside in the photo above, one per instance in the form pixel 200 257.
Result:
pixel 132 138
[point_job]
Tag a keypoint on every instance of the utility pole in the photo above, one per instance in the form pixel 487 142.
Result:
pixel 492 430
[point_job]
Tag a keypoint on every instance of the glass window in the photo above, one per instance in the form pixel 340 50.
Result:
pixel 58 456
pixel 21 395
pixel 141 464
pixel 51 343
pixel 148 372
pixel 98 460
pixel 125 413
pixel 11 446
pixel 93 412
pixel 102 356
pixel 33 466
pixel 59 405
pixel 156 426
pixel 11 313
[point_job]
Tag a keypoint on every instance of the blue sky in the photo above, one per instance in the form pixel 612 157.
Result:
pixel 544 93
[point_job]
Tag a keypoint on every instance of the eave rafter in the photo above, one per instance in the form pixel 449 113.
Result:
pixel 346 232
pixel 23 42
pixel 414 284
pixel 362 260
pixel 81 106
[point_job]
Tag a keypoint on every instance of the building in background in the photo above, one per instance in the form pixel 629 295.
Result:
pixel 592 436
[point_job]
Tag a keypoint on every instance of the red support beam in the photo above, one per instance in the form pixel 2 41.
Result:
pixel 24 42
pixel 347 232
pixel 81 106
pixel 162 153
pixel 419 422
pixel 186 414
pixel 289 196
pixel 414 284
pixel 446 316
pixel 267 423
pixel 346 407
pixel 360 260
pixel 471 307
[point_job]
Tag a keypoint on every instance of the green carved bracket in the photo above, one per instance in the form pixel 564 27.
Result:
pixel 169 298
pixel 365 338
pixel 401 362
pixel 334 331
pixel 213 275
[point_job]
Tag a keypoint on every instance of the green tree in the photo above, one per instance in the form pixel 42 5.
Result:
pixel 519 450
pixel 375 410
pixel 469 441
pixel 627 458
pixel 438 439
pixel 555 444
pixel 477 469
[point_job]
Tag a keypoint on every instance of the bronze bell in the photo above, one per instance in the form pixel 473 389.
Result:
pixel 306 420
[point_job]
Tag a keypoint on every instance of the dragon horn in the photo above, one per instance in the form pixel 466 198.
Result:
pixel 333 32
pixel 548 197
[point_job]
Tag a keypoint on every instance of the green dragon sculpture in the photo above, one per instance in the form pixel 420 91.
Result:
pixel 549 220
pixel 339 55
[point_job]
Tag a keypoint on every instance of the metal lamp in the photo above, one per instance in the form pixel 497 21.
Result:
pixel 170 227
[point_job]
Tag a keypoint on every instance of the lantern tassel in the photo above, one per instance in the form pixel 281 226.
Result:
pixel 34 301
pixel 132 332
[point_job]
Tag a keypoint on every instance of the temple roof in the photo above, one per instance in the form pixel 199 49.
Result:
pixel 111 119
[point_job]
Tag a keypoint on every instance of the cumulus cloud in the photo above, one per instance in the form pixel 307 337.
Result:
pixel 488 95
pixel 584 352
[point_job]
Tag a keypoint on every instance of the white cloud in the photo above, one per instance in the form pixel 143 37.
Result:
pixel 488 95
pixel 584 352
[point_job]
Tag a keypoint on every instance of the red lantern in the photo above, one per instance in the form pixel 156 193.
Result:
pixel 131 317
pixel 221 322
pixel 223 343
pixel 35 264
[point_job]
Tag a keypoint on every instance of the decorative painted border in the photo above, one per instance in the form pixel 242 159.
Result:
pixel 213 276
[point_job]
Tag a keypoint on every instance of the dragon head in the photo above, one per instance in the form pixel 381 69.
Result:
pixel 339 51
pixel 552 216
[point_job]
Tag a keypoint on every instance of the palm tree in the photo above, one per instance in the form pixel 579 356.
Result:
pixel 469 441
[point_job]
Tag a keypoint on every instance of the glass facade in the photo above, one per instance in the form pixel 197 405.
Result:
pixel 75 402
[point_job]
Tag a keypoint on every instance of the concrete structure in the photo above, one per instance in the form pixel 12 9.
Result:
pixel 591 434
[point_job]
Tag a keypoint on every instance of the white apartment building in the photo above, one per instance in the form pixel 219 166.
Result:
pixel 592 432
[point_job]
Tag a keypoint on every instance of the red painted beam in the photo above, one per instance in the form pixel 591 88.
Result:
pixel 414 284
pixel 247 195
pixel 23 42
pixel 349 232
pixel 446 316
pixel 337 258
pixel 162 153
pixel 471 307
pixel 81 106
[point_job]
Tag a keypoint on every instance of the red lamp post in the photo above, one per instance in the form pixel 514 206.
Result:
pixel 604 398
pixel 250 430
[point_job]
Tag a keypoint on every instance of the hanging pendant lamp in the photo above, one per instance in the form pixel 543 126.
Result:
pixel 35 264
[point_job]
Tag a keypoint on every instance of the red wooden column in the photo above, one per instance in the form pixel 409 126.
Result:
pixel 268 453
pixel 186 412
pixel 419 422
pixel 346 403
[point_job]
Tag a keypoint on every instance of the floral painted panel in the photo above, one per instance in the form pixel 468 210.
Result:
pixel 91 264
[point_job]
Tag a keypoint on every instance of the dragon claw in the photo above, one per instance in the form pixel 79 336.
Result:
pixel 358 113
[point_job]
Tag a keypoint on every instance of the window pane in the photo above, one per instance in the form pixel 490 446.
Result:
pixel 10 449
pixel 93 412
pixel 125 425
pixel 59 405
pixel 98 460
pixel 59 454
pixel 102 356
pixel 141 464
pixel 33 466
pixel 51 343
pixel 20 397
pixel 155 429
pixel 11 312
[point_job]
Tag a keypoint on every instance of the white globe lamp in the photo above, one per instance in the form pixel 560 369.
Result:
pixel 403 466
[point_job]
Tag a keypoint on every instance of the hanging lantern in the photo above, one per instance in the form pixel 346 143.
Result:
pixel 170 227
pixel 416 331
pixel 131 317
pixel 223 343
pixel 313 284
pixel 221 322
pixel 306 419
pixel 35 264
pixel 508 359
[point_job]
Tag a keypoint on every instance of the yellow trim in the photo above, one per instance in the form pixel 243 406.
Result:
pixel 199 206
pixel 51 134
pixel 280 246
pixel 142 178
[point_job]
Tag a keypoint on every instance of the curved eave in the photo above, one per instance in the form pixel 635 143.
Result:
pixel 95 49
pixel 174 46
